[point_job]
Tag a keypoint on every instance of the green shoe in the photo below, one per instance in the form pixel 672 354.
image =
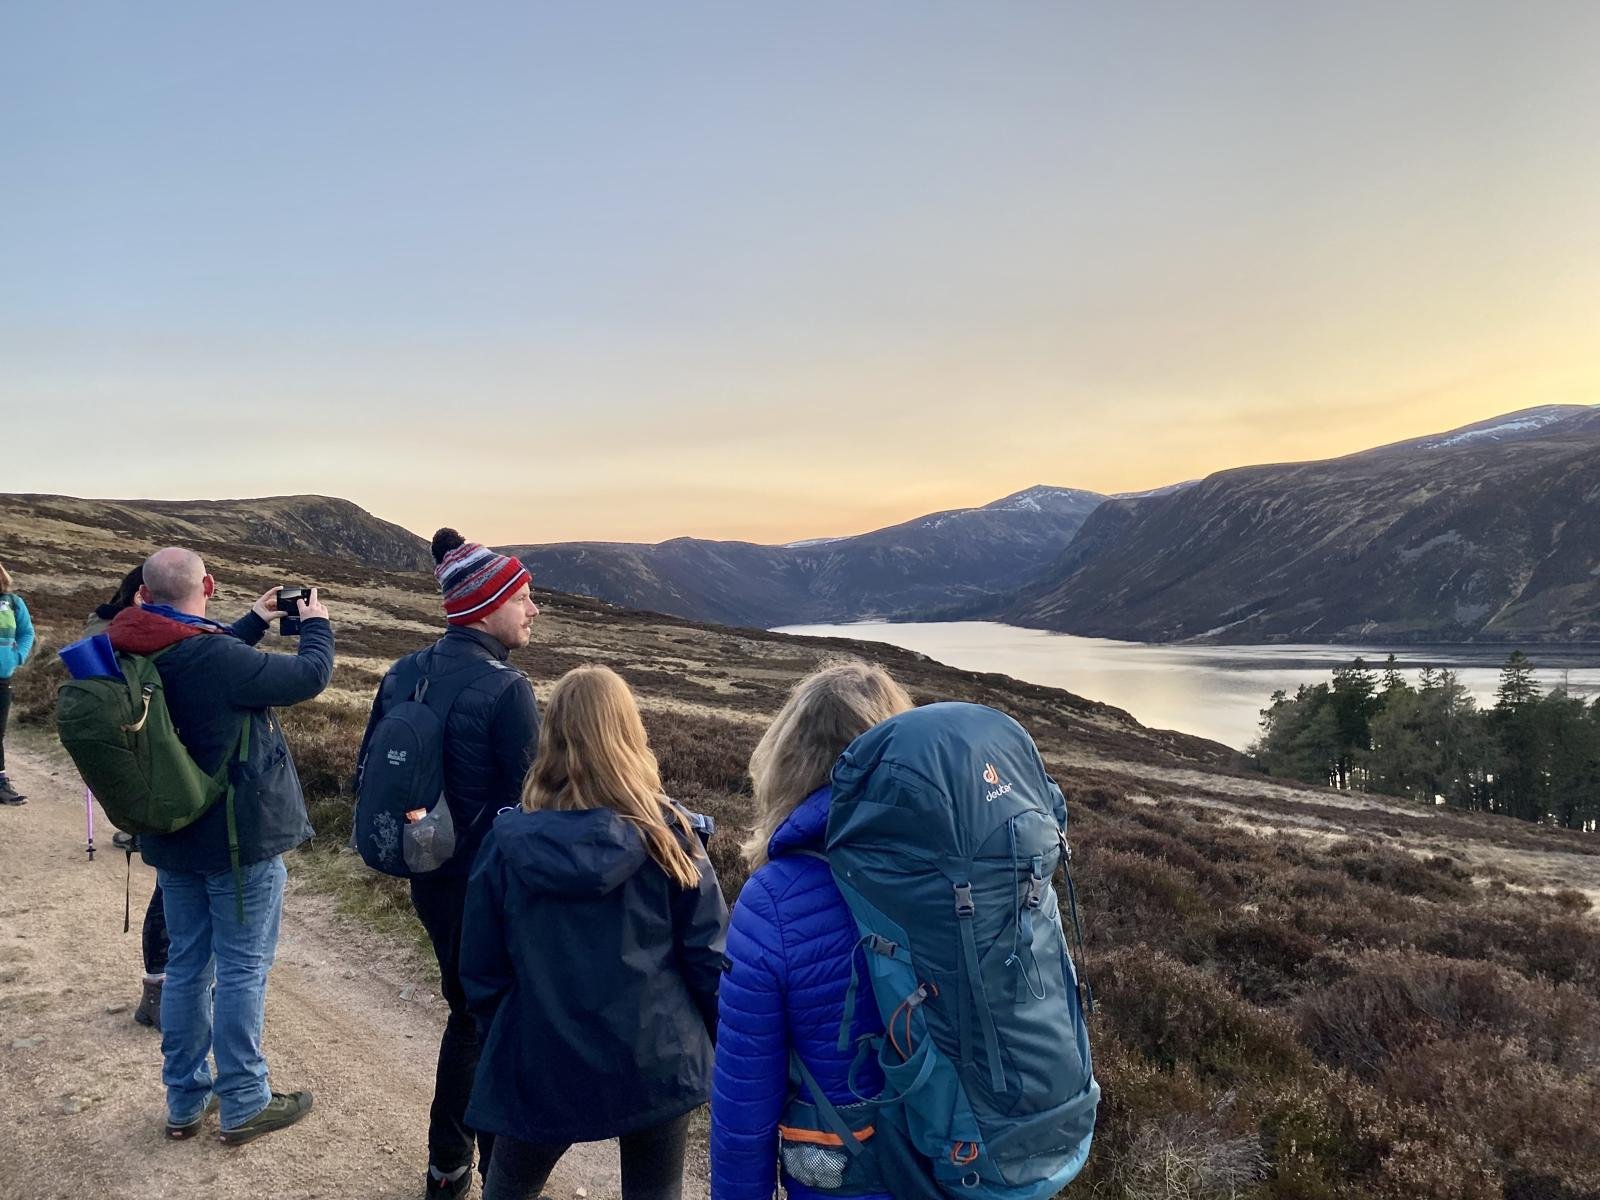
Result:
pixel 181 1132
pixel 283 1110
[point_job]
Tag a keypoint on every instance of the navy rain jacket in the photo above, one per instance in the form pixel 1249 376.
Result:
pixel 593 976
pixel 212 677
pixel 789 953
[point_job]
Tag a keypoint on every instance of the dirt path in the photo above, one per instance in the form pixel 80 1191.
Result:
pixel 81 1109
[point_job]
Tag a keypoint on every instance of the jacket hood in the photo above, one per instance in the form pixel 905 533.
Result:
pixel 137 631
pixel 806 828
pixel 579 854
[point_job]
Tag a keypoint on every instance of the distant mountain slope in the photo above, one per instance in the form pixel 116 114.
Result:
pixel 1519 426
pixel 317 525
pixel 945 557
pixel 1491 532
pixel 731 583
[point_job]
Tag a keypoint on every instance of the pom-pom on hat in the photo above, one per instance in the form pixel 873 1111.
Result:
pixel 474 579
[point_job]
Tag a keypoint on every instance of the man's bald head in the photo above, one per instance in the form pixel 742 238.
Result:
pixel 176 577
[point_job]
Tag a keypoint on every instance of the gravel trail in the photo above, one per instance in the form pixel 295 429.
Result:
pixel 348 1016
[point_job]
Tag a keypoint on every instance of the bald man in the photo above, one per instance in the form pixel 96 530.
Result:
pixel 215 681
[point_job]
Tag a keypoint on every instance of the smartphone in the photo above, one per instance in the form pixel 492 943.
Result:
pixel 289 599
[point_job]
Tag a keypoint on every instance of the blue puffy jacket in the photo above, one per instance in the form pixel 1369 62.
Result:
pixel 790 947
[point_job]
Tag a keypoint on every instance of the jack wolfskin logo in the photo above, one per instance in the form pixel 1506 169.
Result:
pixel 397 758
pixel 992 778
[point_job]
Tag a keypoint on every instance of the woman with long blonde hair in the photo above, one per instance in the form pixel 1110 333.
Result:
pixel 590 953
pixel 792 940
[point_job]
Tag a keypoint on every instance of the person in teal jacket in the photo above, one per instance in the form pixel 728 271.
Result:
pixel 16 643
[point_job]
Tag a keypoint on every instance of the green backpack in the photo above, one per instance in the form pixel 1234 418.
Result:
pixel 121 737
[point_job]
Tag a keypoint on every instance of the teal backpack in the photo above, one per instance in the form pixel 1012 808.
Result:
pixel 944 833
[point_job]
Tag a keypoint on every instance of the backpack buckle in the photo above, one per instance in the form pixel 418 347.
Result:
pixel 964 905
pixel 1035 896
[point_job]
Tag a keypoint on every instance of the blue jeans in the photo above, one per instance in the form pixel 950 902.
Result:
pixel 209 946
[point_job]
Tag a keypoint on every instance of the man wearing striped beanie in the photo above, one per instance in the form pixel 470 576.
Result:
pixel 477 583
pixel 491 734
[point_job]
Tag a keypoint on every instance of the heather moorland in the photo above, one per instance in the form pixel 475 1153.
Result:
pixel 1302 993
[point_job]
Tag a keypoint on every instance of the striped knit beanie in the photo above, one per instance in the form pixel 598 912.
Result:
pixel 474 579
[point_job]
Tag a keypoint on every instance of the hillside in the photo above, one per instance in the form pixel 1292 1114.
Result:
pixel 1490 533
pixel 1302 995
pixel 961 555
pixel 304 525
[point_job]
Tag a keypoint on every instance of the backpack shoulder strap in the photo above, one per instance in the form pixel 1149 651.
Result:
pixel 441 691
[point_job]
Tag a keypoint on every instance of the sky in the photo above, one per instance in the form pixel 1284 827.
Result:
pixel 776 270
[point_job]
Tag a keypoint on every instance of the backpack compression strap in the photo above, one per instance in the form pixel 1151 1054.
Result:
pixel 241 761
pixel 828 1114
pixel 972 983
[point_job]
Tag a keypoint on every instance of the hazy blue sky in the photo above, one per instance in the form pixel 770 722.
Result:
pixel 776 270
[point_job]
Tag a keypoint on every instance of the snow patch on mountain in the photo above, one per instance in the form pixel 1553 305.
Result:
pixel 814 542
pixel 1502 429
pixel 1529 422
pixel 1035 498
pixel 1153 492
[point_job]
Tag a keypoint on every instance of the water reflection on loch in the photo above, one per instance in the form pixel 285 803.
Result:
pixel 1214 691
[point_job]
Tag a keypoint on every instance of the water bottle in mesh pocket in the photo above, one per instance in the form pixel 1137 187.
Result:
pixel 430 840
pixel 813 1166
pixel 812 1144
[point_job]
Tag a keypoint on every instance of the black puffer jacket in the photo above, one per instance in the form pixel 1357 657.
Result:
pixel 594 976
pixel 491 737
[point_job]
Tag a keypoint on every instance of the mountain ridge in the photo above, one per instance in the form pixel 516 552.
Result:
pixel 313 524
pixel 1486 533
pixel 903 568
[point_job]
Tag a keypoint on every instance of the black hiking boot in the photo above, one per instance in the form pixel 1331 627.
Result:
pixel 449 1189
pixel 283 1110
pixel 149 1011
pixel 180 1133
pixel 9 794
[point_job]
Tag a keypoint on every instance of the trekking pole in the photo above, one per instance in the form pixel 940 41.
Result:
pixel 88 812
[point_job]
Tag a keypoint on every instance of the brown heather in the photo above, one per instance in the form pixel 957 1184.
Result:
pixel 1300 997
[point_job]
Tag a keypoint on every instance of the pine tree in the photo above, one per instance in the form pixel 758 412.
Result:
pixel 1517 684
pixel 1298 736
pixel 1571 759
pixel 1398 762
pixel 1354 692
pixel 1519 774
pixel 1455 762
pixel 1393 680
